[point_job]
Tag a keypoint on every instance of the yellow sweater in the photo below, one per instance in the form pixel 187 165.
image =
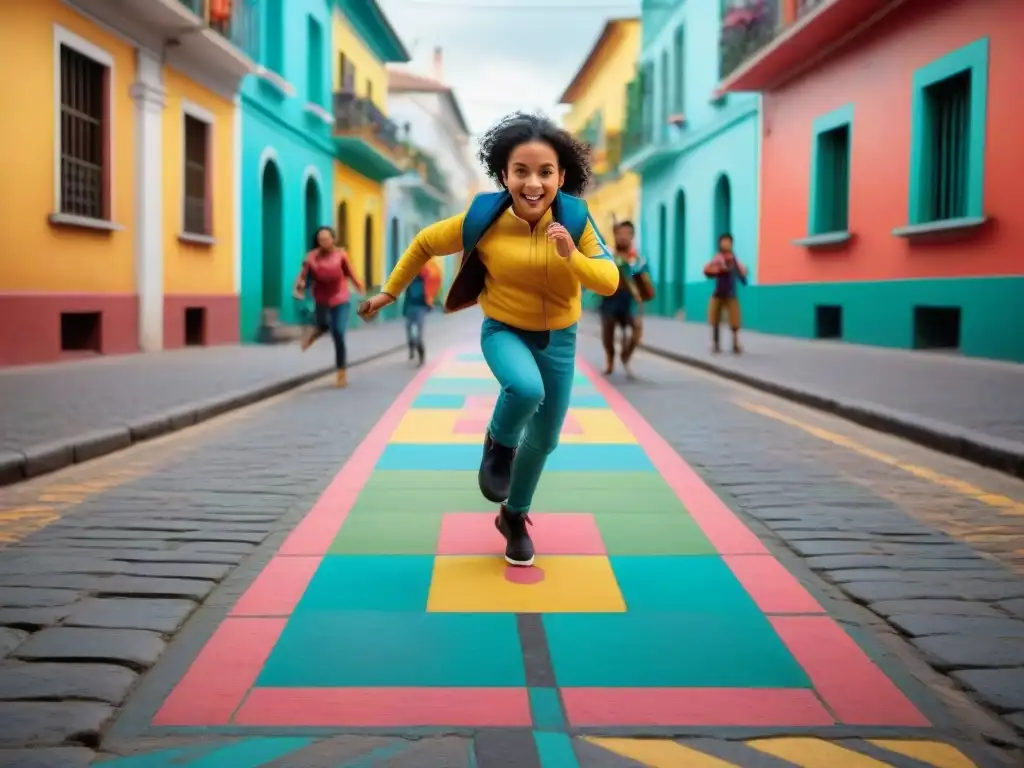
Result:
pixel 528 285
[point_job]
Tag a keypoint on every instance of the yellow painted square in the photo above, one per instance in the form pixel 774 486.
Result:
pixel 458 370
pixel 599 426
pixel 430 425
pixel 570 584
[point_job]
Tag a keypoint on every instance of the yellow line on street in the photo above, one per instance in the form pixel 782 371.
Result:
pixel 814 753
pixel 1004 504
pixel 659 753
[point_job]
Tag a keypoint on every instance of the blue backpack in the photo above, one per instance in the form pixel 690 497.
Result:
pixel 571 212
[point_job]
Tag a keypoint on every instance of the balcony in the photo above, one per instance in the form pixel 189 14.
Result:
pixel 608 161
pixel 766 42
pixel 649 140
pixel 365 139
pixel 424 179
pixel 218 36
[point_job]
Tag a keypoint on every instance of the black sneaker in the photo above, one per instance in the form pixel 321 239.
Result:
pixel 495 470
pixel 518 544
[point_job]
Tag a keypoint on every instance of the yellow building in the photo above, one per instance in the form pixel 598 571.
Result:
pixel 597 114
pixel 118 224
pixel 368 146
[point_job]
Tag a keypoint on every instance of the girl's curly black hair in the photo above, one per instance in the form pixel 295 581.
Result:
pixel 520 127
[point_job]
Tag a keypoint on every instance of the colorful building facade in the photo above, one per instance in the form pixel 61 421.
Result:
pixel 891 171
pixel 696 153
pixel 440 180
pixel 119 225
pixel 287 157
pixel 369 147
pixel 597 114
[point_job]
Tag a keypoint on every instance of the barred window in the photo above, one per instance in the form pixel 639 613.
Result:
pixel 83 135
pixel 197 198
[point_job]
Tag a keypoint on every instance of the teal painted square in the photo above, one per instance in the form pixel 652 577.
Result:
pixel 669 650
pixel 377 649
pixel 369 583
pixel 692 584
pixel 587 400
pixel 546 709
pixel 574 457
pixel 443 386
pixel 470 357
pixel 444 402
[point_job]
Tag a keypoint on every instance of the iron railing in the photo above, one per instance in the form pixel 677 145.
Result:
pixel 241 28
pixel 356 113
pixel 747 26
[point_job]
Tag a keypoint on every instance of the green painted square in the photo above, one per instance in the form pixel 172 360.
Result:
pixel 409 500
pixel 368 583
pixel 417 479
pixel 598 501
pixel 378 532
pixel 378 649
pixel 698 586
pixel 640 482
pixel 643 533
pixel 670 649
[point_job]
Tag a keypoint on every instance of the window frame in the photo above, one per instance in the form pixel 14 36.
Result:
pixel 315 95
pixel 972 58
pixel 65 38
pixel 196 112
pixel 837 118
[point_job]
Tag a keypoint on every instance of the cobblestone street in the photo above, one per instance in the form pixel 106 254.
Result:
pixel 876 614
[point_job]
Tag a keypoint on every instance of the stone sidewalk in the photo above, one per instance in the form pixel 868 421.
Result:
pixel 56 415
pixel 962 406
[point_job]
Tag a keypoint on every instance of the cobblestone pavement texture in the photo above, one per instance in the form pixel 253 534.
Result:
pixel 958 398
pixel 92 601
pixel 57 414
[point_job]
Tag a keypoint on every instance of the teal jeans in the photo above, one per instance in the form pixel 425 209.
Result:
pixel 535 370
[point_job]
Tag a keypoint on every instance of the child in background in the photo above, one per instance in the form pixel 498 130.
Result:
pixel 419 299
pixel 726 270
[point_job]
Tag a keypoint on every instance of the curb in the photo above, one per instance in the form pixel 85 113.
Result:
pixel 43 458
pixel 1002 455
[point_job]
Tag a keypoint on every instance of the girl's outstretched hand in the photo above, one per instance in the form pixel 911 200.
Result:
pixel 369 308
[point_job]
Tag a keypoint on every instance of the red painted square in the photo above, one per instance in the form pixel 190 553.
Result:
pixel 470 533
pixel 850 683
pixel 472 426
pixel 676 707
pixel 570 426
pixel 480 402
pixel 773 588
pixel 384 707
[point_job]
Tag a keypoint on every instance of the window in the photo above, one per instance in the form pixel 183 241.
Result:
pixel 314 63
pixel 828 321
pixel 947 151
pixel 829 203
pixel 679 96
pixel 197 201
pixel 346 74
pixel 274 32
pixel 369 90
pixel 665 91
pixel 647 91
pixel 83 170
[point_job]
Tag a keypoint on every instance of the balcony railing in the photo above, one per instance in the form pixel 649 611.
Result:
pixel 748 26
pixel 426 166
pixel 358 115
pixel 240 25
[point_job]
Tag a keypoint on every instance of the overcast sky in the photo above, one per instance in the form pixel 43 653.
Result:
pixel 503 55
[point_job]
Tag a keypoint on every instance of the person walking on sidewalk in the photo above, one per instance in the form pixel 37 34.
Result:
pixel 527 250
pixel 623 308
pixel 419 300
pixel 726 270
pixel 327 269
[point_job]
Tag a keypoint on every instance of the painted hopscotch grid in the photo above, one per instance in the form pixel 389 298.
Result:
pixel 652 604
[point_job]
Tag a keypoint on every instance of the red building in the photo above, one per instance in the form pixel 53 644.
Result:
pixel 892 163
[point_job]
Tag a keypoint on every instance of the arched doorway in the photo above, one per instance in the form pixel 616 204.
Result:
pixel 395 245
pixel 368 251
pixel 341 227
pixel 679 256
pixel 312 211
pixel 271 223
pixel 663 259
pixel 723 208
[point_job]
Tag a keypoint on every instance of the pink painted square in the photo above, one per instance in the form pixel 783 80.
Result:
pixel 480 402
pixel 477 426
pixel 471 533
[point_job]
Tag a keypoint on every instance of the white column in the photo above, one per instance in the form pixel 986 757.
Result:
pixel 238 194
pixel 149 95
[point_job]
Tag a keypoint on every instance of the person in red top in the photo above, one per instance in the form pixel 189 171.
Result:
pixel 329 271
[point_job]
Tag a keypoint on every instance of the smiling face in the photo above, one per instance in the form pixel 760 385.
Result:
pixel 533 179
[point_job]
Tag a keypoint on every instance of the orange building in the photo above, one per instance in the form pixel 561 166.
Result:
pixel 891 168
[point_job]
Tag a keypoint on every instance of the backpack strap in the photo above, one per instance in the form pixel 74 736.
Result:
pixel 573 214
pixel 483 212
